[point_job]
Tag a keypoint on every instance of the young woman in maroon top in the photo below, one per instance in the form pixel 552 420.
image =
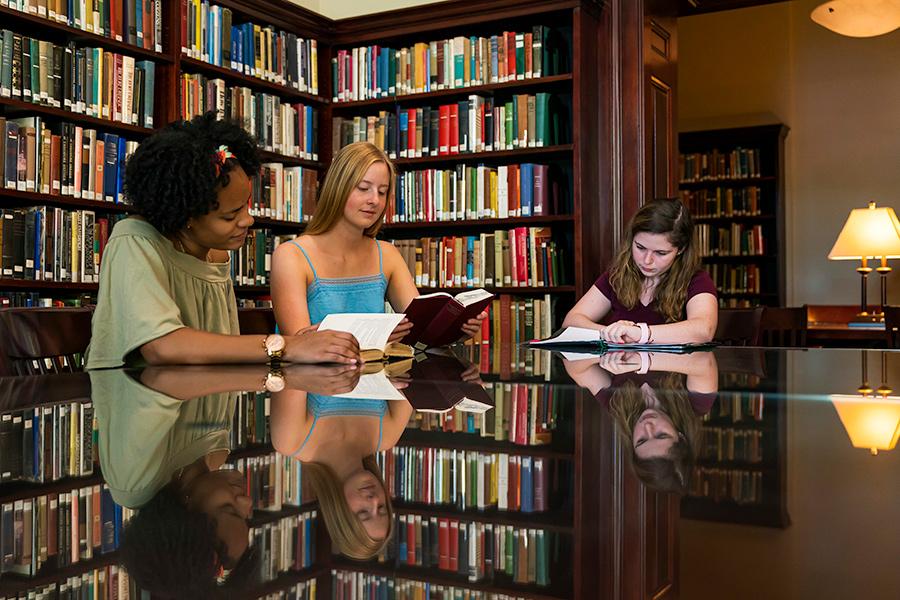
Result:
pixel 655 290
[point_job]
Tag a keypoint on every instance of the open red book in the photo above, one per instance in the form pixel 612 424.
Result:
pixel 438 318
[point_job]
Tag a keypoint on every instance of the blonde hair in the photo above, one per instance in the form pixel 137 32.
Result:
pixel 672 473
pixel 672 218
pixel 346 171
pixel 347 534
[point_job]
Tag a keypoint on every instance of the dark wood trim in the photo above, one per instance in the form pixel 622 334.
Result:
pixel 452 440
pixel 495 156
pixel 283 15
pixel 12 585
pixel 290 161
pixel 15 198
pixel 477 223
pixel 21 108
pixel 688 8
pixel 192 65
pixel 547 521
pixel 30 284
pixel 17 490
pixel 725 182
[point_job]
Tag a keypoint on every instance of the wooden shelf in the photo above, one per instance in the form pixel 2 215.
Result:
pixel 198 66
pixel 496 156
pixel 747 294
pixel 735 218
pixel 262 516
pixel 418 438
pixel 724 182
pixel 559 289
pixel 253 290
pixel 251 451
pixel 489 223
pixel 31 284
pixel 534 82
pixel 738 257
pixel 291 161
pixel 282 582
pixel 79 35
pixel 536 520
pixel 737 465
pixel 293 226
pixel 16 198
pixel 22 108
pixel 17 490
pixel 11 585
pixel 448 578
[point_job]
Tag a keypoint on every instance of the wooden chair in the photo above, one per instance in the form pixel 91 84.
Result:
pixel 45 340
pixel 739 326
pixel 256 320
pixel 784 327
pixel 892 325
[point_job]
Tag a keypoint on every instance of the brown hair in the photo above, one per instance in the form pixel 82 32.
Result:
pixel 346 171
pixel 347 534
pixel 670 217
pixel 664 474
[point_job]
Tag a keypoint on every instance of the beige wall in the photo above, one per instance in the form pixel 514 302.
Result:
pixel 342 9
pixel 839 96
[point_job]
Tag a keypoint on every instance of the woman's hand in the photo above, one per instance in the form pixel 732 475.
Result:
pixel 472 375
pixel 322 347
pixel 472 327
pixel 400 331
pixel 326 380
pixel 621 332
pixel 620 362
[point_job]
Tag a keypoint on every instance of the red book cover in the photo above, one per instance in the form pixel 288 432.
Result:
pixel 444 130
pixel 505 335
pixel 521 415
pixel 454 546
pixel 512 493
pixel 147 23
pixel 512 185
pixel 411 149
pixel 454 128
pixel 522 256
pixel 98 170
pixel 184 19
pixel 512 234
pixel 411 541
pixel 511 54
pixel 438 318
pixel 444 544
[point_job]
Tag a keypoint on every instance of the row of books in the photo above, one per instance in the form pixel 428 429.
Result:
pixel 250 421
pixel 367 72
pixel 273 481
pixel 735 407
pixel 736 279
pixel 510 360
pixel 284 193
pixel 252 263
pixel 739 302
pixel 519 257
pixel 59 529
pixel 47 443
pixel 32 299
pixel 107 582
pixel 476 125
pixel 740 163
pixel 353 585
pixel 288 128
pixel 736 240
pixel 84 80
pixel 726 443
pixel 63 159
pixel 723 202
pixel 523 415
pixel 44 243
pixel 743 487
pixel 288 544
pixel 472 192
pixel 305 590
pixel 135 22
pixel 210 33
pixel 474 549
pixel 467 479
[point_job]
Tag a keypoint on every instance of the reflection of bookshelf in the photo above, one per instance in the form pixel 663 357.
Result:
pixel 733 182
pixel 741 472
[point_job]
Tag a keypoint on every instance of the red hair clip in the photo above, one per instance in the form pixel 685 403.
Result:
pixel 221 155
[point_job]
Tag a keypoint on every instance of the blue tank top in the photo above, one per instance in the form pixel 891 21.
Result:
pixel 345 294
pixel 332 406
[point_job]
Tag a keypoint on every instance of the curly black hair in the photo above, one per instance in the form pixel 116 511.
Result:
pixel 173 552
pixel 171 177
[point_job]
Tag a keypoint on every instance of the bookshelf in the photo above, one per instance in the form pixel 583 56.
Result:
pixel 741 473
pixel 733 182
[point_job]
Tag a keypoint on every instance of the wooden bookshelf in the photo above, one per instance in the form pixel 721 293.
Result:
pixel 12 585
pixel 537 153
pixel 20 108
pixel 534 520
pixel 765 182
pixel 192 65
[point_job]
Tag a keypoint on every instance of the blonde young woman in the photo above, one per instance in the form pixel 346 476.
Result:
pixel 337 265
pixel 655 291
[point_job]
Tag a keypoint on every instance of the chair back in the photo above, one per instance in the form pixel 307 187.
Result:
pixel 45 340
pixel 784 327
pixel 256 321
pixel 739 326
pixel 892 325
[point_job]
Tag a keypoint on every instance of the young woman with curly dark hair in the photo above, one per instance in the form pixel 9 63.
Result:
pixel 166 294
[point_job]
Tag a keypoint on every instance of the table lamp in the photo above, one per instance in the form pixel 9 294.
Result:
pixel 871 422
pixel 871 232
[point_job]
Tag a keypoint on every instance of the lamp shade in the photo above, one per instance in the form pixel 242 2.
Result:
pixel 858 18
pixel 872 422
pixel 869 232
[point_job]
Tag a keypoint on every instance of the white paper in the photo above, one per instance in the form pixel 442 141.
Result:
pixel 473 296
pixel 372 330
pixel 472 406
pixel 374 386
pixel 572 335
pixel 575 356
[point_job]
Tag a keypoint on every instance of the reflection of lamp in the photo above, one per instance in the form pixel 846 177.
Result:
pixel 872 422
pixel 869 233
pixel 858 18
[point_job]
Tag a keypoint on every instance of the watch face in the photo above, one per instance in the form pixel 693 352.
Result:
pixel 274 383
pixel 274 343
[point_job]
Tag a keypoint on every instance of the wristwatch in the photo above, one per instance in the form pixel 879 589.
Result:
pixel 274 345
pixel 274 381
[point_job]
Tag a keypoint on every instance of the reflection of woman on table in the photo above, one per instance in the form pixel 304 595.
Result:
pixel 656 400
pixel 336 439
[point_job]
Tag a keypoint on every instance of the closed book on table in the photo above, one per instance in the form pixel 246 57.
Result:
pixel 438 318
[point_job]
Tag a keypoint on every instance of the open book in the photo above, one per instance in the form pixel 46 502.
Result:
pixel 588 340
pixel 438 318
pixel 372 330
pixel 436 386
